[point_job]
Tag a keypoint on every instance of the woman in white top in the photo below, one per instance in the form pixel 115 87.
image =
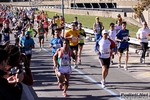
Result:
pixel 142 35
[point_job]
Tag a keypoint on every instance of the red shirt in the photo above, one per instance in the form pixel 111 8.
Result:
pixel 45 24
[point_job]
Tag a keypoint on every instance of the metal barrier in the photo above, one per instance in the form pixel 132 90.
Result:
pixel 133 41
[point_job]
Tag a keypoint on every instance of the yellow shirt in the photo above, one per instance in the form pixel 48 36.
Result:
pixel 75 34
pixel 58 22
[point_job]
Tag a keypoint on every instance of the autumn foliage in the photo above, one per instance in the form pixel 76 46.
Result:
pixel 140 7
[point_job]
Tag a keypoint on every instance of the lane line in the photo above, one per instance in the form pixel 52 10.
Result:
pixel 91 79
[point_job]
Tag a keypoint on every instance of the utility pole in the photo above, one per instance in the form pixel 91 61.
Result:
pixel 74 4
pixel 62 12
pixel 62 7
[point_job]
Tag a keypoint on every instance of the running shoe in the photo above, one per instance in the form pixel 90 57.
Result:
pixel 75 66
pixel 125 67
pixel 103 83
pixel 79 62
pixel 64 94
pixel 141 60
pixel 40 49
pixel 119 65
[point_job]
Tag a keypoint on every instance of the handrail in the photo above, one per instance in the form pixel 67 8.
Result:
pixel 90 31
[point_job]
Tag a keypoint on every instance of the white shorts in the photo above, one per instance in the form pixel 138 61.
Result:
pixel 65 70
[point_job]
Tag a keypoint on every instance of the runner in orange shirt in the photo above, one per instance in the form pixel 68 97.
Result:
pixel 46 24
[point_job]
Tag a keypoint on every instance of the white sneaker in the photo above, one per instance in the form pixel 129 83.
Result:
pixel 103 83
pixel 125 67
pixel 40 49
pixel 75 66
pixel 119 65
pixel 142 60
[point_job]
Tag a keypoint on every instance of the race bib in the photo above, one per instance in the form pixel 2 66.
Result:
pixel 6 34
pixel 41 34
pixel 65 60
pixel 28 52
pixel 106 51
pixel 125 38
pixel 57 45
pixel 81 38
pixel 74 39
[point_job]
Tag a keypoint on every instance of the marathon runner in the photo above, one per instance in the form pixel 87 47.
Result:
pixel 123 46
pixel 72 35
pixel 81 41
pixel 142 36
pixel 62 62
pixel 103 49
pixel 112 36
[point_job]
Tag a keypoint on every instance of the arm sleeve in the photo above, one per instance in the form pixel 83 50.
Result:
pixel 112 43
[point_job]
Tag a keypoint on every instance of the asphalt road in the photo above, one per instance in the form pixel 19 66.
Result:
pixel 85 80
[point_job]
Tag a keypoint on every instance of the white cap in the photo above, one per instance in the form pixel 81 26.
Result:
pixel 105 31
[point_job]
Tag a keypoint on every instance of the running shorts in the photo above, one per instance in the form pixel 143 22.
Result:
pixel 74 48
pixel 65 70
pixel 121 50
pixel 105 62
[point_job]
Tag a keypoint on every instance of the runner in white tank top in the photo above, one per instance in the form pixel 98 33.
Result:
pixel 63 66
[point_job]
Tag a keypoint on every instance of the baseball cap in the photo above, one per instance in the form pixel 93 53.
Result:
pixel 105 31
pixel 96 17
pixel 27 33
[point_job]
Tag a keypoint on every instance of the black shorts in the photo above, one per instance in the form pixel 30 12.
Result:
pixel 29 56
pixel 46 29
pixel 105 62
pixel 74 48
pixel 121 50
pixel 80 44
pixel 41 37
pixel 1 25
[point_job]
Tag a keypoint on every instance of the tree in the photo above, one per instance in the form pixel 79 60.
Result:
pixel 140 7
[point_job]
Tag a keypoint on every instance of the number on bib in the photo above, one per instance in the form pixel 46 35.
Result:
pixel 74 39
pixel 28 52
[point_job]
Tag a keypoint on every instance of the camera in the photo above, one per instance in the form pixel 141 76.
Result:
pixel 14 70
